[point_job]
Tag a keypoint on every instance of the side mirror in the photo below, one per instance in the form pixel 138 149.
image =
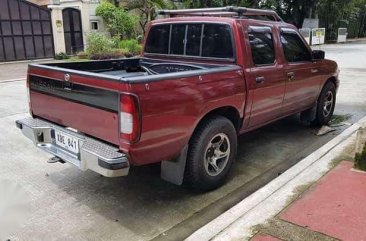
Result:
pixel 318 54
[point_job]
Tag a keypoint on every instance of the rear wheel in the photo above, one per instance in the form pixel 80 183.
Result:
pixel 326 104
pixel 211 153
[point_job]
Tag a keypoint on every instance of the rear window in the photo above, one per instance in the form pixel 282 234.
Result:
pixel 217 41
pixel 192 40
pixel 177 39
pixel 158 41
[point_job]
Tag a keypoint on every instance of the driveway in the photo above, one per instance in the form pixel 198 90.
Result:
pixel 67 204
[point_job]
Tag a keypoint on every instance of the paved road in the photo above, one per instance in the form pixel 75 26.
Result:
pixel 67 204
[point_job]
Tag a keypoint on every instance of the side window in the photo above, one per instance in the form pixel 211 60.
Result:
pixel 294 48
pixel 262 46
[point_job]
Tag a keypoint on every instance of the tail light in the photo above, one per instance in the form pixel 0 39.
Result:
pixel 28 95
pixel 129 118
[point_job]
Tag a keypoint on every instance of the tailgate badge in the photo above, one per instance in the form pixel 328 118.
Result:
pixel 67 77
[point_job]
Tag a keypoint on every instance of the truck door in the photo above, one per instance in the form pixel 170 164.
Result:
pixel 266 82
pixel 303 79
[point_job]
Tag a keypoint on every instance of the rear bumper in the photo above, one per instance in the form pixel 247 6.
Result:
pixel 94 155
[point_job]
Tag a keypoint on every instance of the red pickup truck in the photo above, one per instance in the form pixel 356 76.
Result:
pixel 204 77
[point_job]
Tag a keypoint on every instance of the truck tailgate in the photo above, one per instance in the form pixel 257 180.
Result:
pixel 87 108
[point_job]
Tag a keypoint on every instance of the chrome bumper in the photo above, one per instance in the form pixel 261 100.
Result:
pixel 94 155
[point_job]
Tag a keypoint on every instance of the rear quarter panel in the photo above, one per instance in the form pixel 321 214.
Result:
pixel 171 110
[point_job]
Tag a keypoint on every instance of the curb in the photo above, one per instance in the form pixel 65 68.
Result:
pixel 27 61
pixel 237 222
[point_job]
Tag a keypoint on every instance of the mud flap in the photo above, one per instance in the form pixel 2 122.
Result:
pixel 173 171
pixel 310 114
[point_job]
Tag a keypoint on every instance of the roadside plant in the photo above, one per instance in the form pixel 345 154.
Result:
pixel 98 43
pixel 82 55
pixel 360 160
pixel 131 45
pixel 60 56
pixel 119 22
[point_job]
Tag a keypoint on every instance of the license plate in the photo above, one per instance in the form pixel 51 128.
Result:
pixel 67 142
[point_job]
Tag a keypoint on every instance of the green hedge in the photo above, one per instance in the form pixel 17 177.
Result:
pixel 131 45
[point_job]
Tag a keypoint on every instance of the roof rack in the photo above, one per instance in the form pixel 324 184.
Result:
pixel 229 11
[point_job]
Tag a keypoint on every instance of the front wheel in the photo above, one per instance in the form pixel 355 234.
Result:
pixel 326 104
pixel 211 153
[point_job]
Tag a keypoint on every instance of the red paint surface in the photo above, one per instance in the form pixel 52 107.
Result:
pixel 171 109
pixel 92 121
pixel 264 237
pixel 336 206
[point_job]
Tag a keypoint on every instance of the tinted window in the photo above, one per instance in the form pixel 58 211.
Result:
pixel 217 41
pixel 294 48
pixel 177 41
pixel 194 39
pixel 262 48
pixel 158 40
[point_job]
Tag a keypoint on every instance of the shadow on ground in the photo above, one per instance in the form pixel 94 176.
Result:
pixel 149 207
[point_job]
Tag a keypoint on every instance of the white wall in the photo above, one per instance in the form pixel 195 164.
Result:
pixel 87 10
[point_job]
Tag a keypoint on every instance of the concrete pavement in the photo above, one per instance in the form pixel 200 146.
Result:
pixel 333 206
pixel 243 220
pixel 330 209
pixel 66 204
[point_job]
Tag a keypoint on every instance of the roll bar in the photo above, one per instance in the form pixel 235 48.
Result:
pixel 230 11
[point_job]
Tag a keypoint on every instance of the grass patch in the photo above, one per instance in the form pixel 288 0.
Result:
pixel 298 191
pixel 337 160
pixel 360 160
pixel 76 59
pixel 338 119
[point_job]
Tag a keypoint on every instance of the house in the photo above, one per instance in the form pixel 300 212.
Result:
pixel 72 21
pixel 36 29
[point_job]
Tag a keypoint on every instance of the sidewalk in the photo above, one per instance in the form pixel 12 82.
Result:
pixel 320 198
pixel 331 209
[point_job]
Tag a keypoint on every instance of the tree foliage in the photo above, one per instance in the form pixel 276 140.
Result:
pixel 148 8
pixel 331 13
pixel 120 23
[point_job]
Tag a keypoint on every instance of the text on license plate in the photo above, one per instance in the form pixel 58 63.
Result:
pixel 66 141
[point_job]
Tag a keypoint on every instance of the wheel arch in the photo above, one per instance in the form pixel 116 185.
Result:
pixel 229 112
pixel 333 80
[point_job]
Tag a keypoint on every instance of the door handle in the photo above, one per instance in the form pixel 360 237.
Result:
pixel 260 79
pixel 291 76
pixel 314 71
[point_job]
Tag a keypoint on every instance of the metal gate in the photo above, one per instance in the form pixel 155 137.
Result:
pixel 72 30
pixel 25 31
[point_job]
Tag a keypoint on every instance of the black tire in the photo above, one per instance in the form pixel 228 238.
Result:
pixel 326 105
pixel 205 149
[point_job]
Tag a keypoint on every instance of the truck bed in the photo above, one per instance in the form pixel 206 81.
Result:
pixel 86 95
pixel 137 69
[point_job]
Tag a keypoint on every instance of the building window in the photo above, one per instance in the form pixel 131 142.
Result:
pixel 94 25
